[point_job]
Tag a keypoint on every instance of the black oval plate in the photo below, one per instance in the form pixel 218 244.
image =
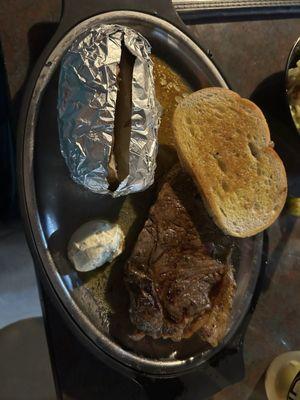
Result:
pixel 54 206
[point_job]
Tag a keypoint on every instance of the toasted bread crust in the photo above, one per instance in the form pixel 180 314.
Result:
pixel 223 141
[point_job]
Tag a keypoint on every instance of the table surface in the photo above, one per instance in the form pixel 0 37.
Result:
pixel 252 56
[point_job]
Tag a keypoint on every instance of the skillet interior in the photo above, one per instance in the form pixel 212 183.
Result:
pixel 62 206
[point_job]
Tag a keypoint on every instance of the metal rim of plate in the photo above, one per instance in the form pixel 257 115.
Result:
pixel 293 57
pixel 112 352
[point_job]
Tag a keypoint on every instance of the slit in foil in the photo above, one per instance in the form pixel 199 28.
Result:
pixel 119 161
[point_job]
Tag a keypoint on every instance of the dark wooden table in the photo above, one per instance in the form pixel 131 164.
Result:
pixel 252 56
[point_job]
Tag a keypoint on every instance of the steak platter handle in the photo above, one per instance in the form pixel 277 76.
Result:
pixel 226 368
pixel 74 11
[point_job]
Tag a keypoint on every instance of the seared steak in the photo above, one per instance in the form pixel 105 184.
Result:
pixel 178 279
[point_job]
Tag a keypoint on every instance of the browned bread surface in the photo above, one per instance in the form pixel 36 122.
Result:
pixel 223 141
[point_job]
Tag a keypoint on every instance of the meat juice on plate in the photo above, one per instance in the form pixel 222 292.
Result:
pixel 106 285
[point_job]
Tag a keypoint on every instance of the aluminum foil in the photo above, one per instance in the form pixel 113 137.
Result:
pixel 87 96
